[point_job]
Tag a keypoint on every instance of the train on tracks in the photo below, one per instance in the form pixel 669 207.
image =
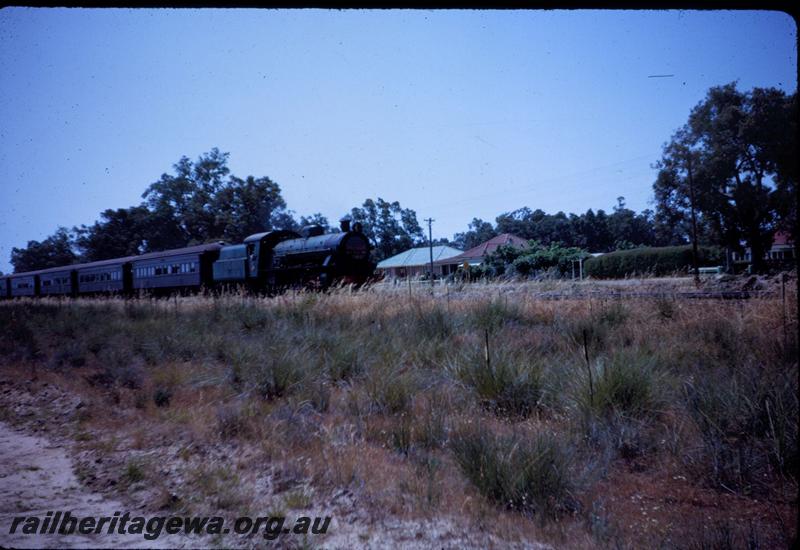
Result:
pixel 265 262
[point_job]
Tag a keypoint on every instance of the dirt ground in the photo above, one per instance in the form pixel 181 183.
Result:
pixel 36 477
pixel 43 468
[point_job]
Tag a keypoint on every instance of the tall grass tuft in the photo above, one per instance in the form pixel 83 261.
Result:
pixel 506 384
pixel 530 474
pixel 493 313
pixel 626 383
pixel 748 422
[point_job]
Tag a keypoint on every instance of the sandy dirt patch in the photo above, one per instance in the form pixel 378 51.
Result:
pixel 36 477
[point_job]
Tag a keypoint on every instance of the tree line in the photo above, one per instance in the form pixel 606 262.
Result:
pixel 728 177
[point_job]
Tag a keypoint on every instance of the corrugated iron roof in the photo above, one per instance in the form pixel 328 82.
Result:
pixel 478 252
pixel 419 256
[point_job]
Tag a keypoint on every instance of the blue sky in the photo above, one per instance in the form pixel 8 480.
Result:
pixel 456 114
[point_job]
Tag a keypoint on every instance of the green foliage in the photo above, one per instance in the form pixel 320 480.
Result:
pixel 493 313
pixel 627 383
pixel 735 161
pixel 530 473
pixel 748 420
pixel 658 261
pixel 479 232
pixel 508 385
pixel 19 339
pixel 391 390
pixel 133 473
pixel 390 228
pixel 55 251
pixel 593 231
pixel 539 259
pixel 162 396
pixel 119 233
pixel 535 259
pixel 200 201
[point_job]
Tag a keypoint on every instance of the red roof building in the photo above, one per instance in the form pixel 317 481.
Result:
pixel 782 249
pixel 475 255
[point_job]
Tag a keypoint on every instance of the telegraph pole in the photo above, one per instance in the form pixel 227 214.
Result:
pixel 430 246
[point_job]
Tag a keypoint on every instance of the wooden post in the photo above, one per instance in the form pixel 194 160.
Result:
pixel 486 350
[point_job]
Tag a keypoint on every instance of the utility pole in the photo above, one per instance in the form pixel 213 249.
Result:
pixel 694 220
pixel 430 246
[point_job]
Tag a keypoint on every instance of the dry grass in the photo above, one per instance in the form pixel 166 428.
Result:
pixel 480 405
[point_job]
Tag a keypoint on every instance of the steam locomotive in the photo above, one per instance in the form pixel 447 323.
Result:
pixel 264 262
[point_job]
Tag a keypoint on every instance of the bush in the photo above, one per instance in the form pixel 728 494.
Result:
pixel 391 390
pixel 657 261
pixel 748 422
pixel 162 397
pixel 554 259
pixel 234 420
pixel 531 474
pixel 627 384
pixel 494 313
pixel 19 340
pixel 278 374
pixel 616 407
pixel 509 386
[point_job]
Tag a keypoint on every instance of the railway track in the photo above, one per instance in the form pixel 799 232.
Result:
pixel 680 295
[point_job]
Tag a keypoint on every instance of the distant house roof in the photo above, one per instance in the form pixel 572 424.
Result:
pixel 476 254
pixel 419 256
pixel 782 238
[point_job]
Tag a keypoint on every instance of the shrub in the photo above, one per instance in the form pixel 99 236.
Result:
pixel 18 341
pixel 316 393
pixel 120 365
pixel 234 420
pixel 432 322
pixel 554 259
pixel 431 431
pixel 271 372
pixel 508 385
pixel 619 435
pixel 627 384
pixel 656 261
pixel 72 354
pixel 277 375
pixel 391 390
pixel 341 358
pixel 747 419
pixel 531 474
pixel 162 397
pixel 401 433
pixel 133 473
pixel 494 313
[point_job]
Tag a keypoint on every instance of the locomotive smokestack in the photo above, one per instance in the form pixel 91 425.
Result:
pixel 344 224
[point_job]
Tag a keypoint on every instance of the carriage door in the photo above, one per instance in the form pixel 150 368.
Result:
pixel 252 259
